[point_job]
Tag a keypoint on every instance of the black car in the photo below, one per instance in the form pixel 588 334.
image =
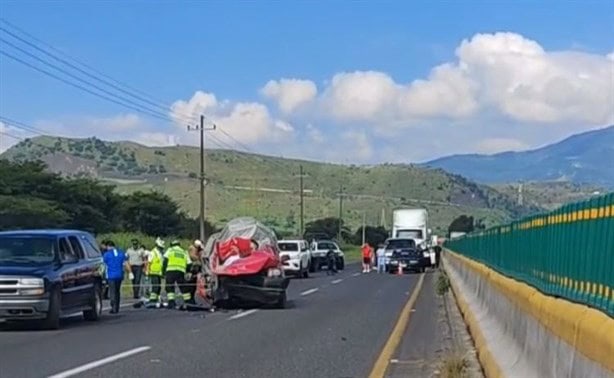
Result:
pixel 404 253
pixel 47 273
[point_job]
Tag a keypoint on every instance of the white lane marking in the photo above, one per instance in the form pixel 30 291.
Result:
pixel 334 282
pixel 310 291
pixel 107 308
pixel 356 274
pixel 104 361
pixel 242 314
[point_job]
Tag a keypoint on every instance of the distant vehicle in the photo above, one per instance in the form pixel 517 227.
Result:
pixel 457 234
pixel 404 253
pixel 411 224
pixel 47 273
pixel 298 255
pixel 320 248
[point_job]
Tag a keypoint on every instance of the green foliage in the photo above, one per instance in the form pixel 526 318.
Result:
pixel 463 223
pixel 373 235
pixel 30 197
pixel 327 228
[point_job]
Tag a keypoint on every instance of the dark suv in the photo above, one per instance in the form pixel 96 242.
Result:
pixel 45 273
pixel 404 254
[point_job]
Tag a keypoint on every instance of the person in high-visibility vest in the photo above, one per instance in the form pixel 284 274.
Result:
pixel 154 272
pixel 176 261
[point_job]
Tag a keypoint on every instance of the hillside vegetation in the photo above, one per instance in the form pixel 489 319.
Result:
pixel 267 187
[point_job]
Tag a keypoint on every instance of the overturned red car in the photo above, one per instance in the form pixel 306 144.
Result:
pixel 244 267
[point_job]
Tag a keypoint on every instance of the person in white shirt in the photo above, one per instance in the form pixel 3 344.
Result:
pixel 136 259
pixel 381 259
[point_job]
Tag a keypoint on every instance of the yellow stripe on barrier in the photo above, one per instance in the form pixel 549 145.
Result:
pixel 589 331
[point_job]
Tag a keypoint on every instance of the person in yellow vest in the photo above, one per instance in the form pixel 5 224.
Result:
pixel 176 261
pixel 153 269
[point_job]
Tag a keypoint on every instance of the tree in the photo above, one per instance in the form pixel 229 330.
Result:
pixel 373 235
pixel 463 223
pixel 151 213
pixel 326 228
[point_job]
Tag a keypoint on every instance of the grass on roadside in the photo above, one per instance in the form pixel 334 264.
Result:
pixel 443 283
pixel 454 365
pixel 352 253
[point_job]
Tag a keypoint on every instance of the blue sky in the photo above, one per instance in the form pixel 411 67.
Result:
pixel 232 49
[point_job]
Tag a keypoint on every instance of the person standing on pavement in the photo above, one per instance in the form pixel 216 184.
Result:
pixel 381 259
pixel 116 263
pixel 194 268
pixel 366 252
pixel 154 272
pixel 176 261
pixel 136 259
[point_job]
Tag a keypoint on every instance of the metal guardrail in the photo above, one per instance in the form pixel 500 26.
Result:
pixel 568 253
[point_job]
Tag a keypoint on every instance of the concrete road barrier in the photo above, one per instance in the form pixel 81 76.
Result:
pixel 520 332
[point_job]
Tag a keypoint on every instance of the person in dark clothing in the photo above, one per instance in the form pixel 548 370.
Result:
pixel 332 262
pixel 116 263
pixel 437 255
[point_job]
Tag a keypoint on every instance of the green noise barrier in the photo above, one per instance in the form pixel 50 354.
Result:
pixel 567 253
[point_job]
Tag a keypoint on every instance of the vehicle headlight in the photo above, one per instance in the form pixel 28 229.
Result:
pixel 35 291
pixel 32 281
pixel 388 254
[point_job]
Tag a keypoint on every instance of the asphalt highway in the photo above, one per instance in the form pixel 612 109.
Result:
pixel 334 326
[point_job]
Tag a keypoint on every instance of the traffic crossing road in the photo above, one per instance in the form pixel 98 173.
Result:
pixel 334 326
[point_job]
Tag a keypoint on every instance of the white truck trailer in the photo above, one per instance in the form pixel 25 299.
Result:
pixel 411 224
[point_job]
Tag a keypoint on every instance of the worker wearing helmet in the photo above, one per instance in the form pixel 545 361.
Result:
pixel 153 270
pixel 194 268
pixel 176 261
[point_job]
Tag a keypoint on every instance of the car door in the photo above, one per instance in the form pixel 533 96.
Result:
pixel 84 283
pixel 68 274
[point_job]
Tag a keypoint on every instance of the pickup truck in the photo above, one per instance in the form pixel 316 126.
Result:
pixel 320 248
pixel 47 273
pixel 402 253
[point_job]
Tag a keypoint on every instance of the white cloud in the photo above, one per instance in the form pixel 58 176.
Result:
pixel 246 122
pixel 290 94
pixel 314 134
pixel 360 96
pixel 495 145
pixel 504 73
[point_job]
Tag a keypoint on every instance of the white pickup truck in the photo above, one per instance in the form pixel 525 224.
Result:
pixel 296 257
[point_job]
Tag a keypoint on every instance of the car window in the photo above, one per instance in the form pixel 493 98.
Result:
pixel 76 246
pixel 401 243
pixel 326 246
pixel 288 247
pixel 66 253
pixel 27 248
pixel 91 250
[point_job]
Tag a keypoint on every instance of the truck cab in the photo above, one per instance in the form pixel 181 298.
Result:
pixel 47 273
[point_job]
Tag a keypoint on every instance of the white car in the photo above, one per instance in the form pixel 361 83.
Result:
pixel 320 248
pixel 296 257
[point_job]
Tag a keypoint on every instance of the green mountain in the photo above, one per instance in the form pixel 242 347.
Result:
pixel 268 187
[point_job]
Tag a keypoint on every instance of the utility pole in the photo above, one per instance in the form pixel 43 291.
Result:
pixel 364 221
pixel 520 199
pixel 302 203
pixel 202 130
pixel 340 212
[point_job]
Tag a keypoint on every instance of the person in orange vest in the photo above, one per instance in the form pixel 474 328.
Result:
pixel 367 253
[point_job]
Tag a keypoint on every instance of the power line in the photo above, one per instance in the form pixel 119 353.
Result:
pixel 79 62
pixel 50 74
pixel 134 105
pixel 106 94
